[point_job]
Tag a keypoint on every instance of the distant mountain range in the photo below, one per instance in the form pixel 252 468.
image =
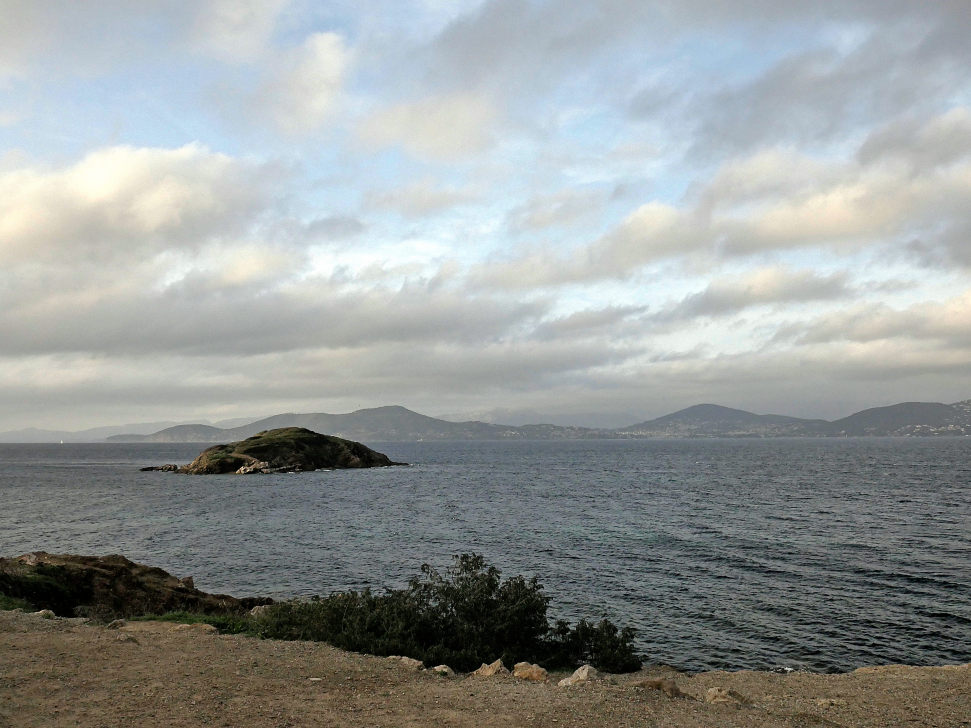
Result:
pixel 907 419
pixel 398 424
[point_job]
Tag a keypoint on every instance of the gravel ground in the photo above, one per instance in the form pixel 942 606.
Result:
pixel 63 672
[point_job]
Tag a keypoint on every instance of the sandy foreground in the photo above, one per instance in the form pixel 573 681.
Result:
pixel 62 672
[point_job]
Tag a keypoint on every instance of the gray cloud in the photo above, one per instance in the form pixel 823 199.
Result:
pixel 923 144
pixel 202 314
pixel 761 287
pixel 600 322
pixel 334 227
pixel 948 322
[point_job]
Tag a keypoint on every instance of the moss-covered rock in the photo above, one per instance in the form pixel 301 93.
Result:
pixel 285 450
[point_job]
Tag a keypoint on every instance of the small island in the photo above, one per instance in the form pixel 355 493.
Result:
pixel 285 450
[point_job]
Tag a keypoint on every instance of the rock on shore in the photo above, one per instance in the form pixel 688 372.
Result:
pixel 288 449
pixel 107 587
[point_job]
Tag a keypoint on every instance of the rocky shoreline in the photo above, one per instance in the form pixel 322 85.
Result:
pixel 70 671
pixel 88 671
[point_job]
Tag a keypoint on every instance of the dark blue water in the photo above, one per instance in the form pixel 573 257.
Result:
pixel 809 554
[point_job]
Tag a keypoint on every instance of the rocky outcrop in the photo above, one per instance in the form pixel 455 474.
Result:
pixel 665 685
pixel 583 674
pixel 289 449
pixel 491 670
pixel 107 587
pixel 528 671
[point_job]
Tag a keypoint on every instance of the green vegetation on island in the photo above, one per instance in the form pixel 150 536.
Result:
pixel 287 449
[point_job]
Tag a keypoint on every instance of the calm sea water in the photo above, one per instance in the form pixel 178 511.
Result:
pixel 808 554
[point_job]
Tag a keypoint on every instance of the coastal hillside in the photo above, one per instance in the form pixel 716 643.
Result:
pixel 399 424
pixel 378 424
pixel 907 419
pixel 711 420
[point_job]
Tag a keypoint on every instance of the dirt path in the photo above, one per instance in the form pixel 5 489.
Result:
pixel 61 672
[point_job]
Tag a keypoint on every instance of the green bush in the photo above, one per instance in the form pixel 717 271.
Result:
pixel 7 603
pixel 462 619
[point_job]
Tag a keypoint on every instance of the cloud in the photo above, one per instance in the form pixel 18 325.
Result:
pixel 234 30
pixel 602 322
pixel 303 85
pixel 779 200
pixel 556 210
pixel 948 322
pixel 922 144
pixel 439 128
pixel 124 201
pixel 334 227
pixel 759 287
pixel 241 299
pixel 420 198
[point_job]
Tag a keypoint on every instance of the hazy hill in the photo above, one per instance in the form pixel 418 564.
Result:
pixel 378 424
pixel 712 420
pixel 94 434
pixel 390 424
pixel 906 418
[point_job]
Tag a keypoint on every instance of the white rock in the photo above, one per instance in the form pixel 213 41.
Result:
pixel 45 614
pixel 528 671
pixel 443 670
pixel 496 668
pixel 583 674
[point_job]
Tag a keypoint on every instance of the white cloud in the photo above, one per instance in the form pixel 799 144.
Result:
pixel 421 197
pixel 780 200
pixel 438 128
pixel 124 201
pixel 304 84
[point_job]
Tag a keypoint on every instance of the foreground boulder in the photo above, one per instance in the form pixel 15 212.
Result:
pixel 491 670
pixel 582 675
pixel 107 587
pixel 288 449
pixel 529 671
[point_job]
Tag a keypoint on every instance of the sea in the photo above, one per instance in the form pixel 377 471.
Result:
pixel 821 555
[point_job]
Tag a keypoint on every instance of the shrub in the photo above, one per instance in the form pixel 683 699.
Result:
pixel 464 618
pixel 7 603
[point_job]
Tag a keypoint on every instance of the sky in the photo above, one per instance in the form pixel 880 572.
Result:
pixel 512 210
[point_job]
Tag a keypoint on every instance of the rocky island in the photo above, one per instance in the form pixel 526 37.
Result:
pixel 284 450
